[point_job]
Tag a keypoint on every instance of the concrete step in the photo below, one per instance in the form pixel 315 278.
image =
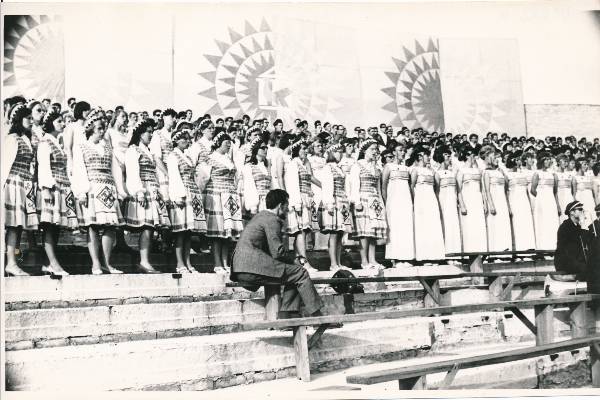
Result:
pixel 206 362
pixel 52 327
pixel 536 373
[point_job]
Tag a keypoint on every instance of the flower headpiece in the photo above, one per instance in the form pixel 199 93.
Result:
pixel 334 147
pixel 48 119
pixel 92 117
pixel 16 112
pixel 297 144
pixel 365 145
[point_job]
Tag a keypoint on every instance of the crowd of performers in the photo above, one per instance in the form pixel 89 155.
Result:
pixel 423 195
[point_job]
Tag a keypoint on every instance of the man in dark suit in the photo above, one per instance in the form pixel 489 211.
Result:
pixel 572 243
pixel 260 259
pixel 594 227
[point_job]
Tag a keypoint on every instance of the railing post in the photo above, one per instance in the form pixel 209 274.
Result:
pixel 578 320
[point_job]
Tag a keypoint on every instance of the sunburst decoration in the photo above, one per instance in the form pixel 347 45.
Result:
pixel 416 92
pixel 241 82
pixel 34 63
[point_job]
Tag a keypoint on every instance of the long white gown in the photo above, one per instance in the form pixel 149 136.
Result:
pixel 565 196
pixel 429 239
pixel 474 231
pixel 522 218
pixel 399 213
pixel 545 214
pixel 586 196
pixel 449 207
pixel 498 226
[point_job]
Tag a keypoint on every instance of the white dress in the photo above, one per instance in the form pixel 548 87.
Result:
pixel 585 195
pixel 399 213
pixel 545 215
pixel 429 239
pixel 522 218
pixel 449 207
pixel 474 232
pixel 565 196
pixel 498 226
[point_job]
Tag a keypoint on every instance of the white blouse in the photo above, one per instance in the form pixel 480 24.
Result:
pixel 45 178
pixel 177 190
pixel 134 183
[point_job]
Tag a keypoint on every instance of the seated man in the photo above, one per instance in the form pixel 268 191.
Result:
pixel 594 227
pixel 259 259
pixel 571 251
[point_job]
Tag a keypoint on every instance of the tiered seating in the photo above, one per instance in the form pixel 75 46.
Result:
pixel 193 332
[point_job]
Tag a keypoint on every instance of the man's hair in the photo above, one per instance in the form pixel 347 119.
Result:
pixel 276 197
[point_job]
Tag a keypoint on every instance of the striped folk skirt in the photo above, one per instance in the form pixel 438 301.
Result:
pixel 58 207
pixel 223 215
pixel 153 214
pixel 103 207
pixel 302 221
pixel 20 203
pixel 370 221
pixel 190 217
pixel 339 221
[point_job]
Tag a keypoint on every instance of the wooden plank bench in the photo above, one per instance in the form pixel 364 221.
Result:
pixel 415 377
pixel 430 283
pixel 542 328
pixel 476 259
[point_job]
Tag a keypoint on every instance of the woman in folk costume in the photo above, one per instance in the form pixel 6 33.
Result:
pixel 201 149
pixel 369 209
pixel 187 214
pixel 498 217
pixel 222 204
pixel 298 178
pixel 472 215
pixel 145 210
pixel 317 163
pixel 445 178
pixel 564 194
pixel 256 179
pixel 20 211
pixel 429 236
pixel 56 202
pixel 399 208
pixel 334 210
pixel 98 191
pixel 119 138
pixel 37 113
pixel 519 205
pixel 74 133
pixel 581 186
pixel 160 147
pixel 546 208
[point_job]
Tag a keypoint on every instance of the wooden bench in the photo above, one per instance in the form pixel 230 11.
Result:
pixel 415 377
pixel 542 327
pixel 430 283
pixel 476 259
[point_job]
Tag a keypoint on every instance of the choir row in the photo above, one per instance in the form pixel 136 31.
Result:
pixel 201 179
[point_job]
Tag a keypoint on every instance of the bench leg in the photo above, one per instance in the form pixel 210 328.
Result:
pixel 433 296
pixel 272 302
pixel 578 320
pixel 544 322
pixel 416 383
pixel 301 352
pixel 495 288
pixel 476 265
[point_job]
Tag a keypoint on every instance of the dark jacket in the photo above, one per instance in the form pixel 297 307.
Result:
pixel 594 228
pixel 570 244
pixel 260 249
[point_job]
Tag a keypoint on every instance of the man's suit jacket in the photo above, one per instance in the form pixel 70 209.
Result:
pixel 260 249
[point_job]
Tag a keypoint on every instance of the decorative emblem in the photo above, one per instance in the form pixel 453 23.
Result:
pixel 345 213
pixel 197 206
pixel 34 63
pixel 107 197
pixel 232 206
pixel 416 92
pixel 70 202
pixel 31 193
pixel 159 200
pixel 377 207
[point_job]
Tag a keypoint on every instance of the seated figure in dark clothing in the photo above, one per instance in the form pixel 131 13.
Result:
pixel 260 258
pixel 572 243
pixel 594 227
